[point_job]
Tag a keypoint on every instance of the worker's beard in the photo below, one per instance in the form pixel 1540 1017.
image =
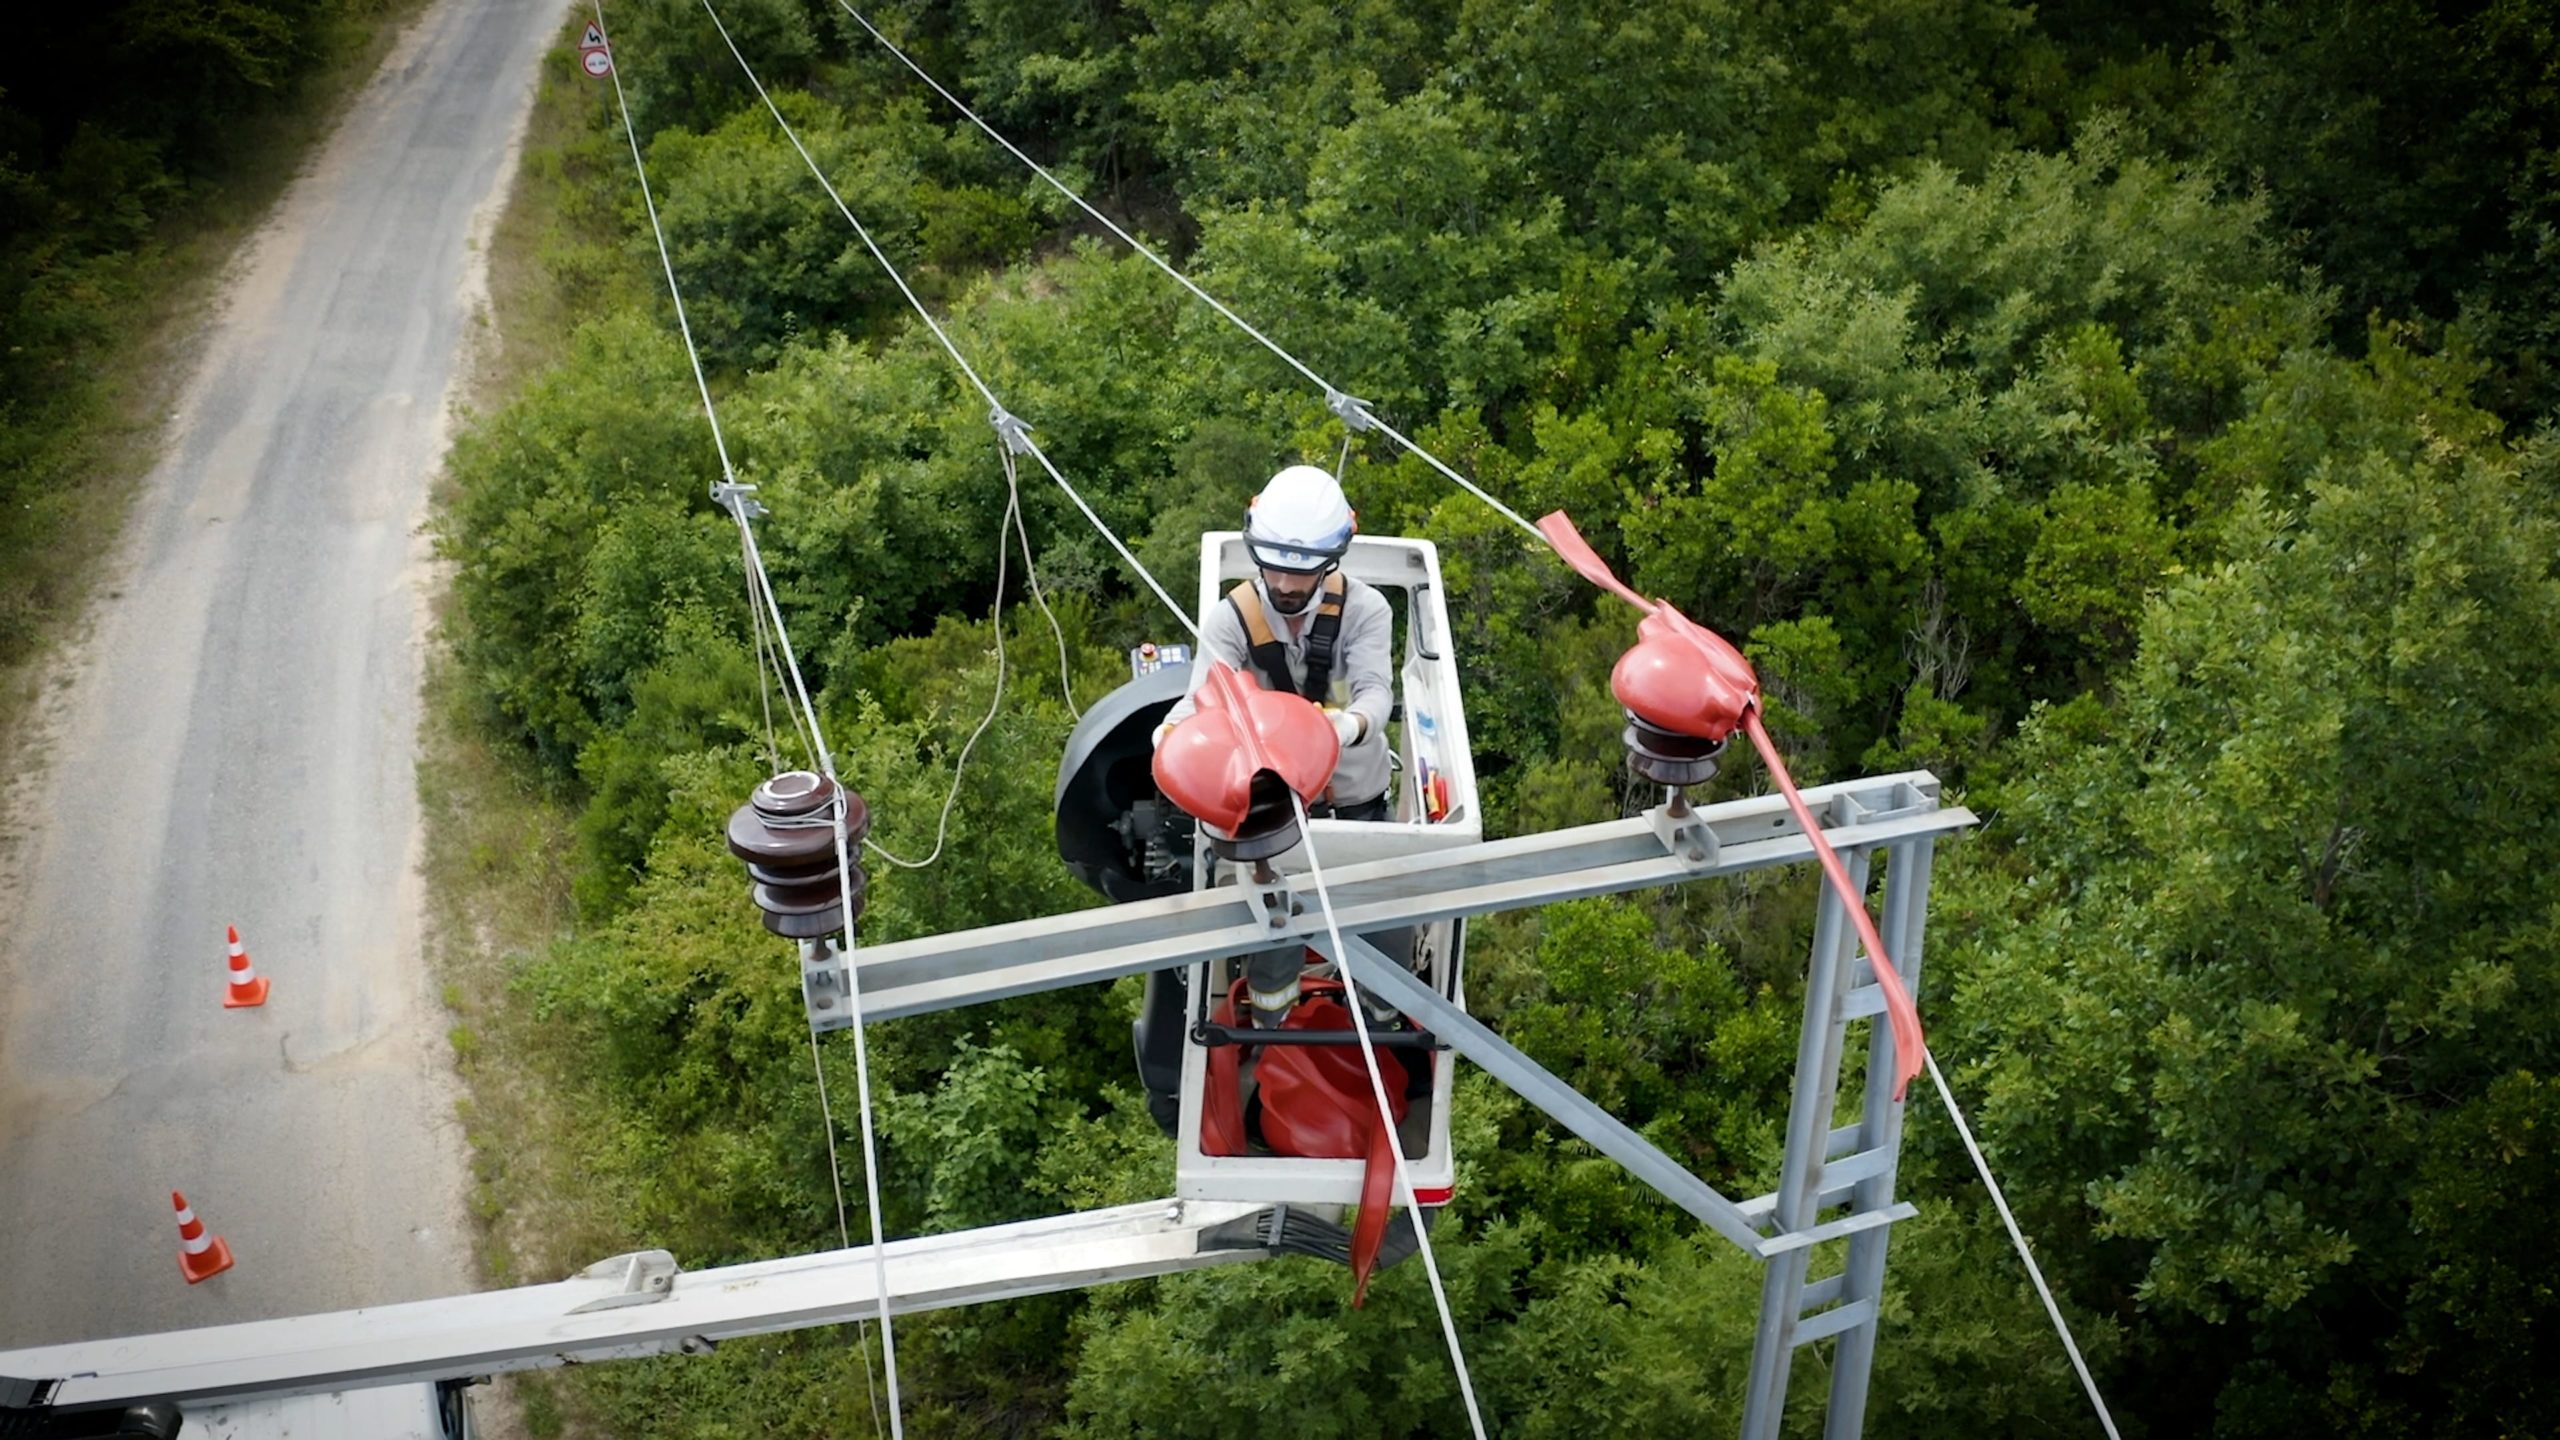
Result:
pixel 1292 604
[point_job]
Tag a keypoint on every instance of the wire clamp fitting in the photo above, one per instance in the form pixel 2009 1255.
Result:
pixel 1683 831
pixel 739 500
pixel 1010 429
pixel 1273 902
pixel 826 985
pixel 1353 410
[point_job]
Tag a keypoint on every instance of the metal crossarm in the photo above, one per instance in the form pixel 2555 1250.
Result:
pixel 1499 1058
pixel 968 967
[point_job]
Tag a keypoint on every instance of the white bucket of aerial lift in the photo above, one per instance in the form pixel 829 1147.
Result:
pixel 1430 740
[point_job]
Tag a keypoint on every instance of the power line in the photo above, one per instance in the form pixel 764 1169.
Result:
pixel 1031 573
pixel 683 325
pixel 995 702
pixel 1386 1118
pixel 1355 412
pixel 844 1235
pixel 768 667
pixel 739 503
pixel 1010 521
pixel 1015 434
pixel 2018 1238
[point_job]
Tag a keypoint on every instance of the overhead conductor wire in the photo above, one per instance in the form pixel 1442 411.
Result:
pixel 995 618
pixel 1386 1118
pixel 1356 415
pixel 1354 412
pixel 1013 433
pixel 1031 574
pixel 734 498
pixel 1016 435
pixel 2018 1238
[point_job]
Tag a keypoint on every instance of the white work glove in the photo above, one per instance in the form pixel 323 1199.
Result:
pixel 1346 727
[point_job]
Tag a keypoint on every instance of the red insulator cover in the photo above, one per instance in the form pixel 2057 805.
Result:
pixel 1208 763
pixel 1684 678
pixel 1316 1101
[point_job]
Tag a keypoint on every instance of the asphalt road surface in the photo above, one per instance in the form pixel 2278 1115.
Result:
pixel 233 744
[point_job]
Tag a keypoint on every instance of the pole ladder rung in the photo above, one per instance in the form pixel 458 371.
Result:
pixel 1839 1176
pixel 1833 1321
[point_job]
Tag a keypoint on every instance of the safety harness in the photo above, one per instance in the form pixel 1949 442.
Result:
pixel 1271 656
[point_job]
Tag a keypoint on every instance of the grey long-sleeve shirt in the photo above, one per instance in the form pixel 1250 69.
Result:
pixel 1363 681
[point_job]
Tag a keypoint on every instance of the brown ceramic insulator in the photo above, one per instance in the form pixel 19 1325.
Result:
pixel 807 911
pixel 792 861
pixel 793 847
pixel 806 898
pixel 764 873
pixel 793 792
pixel 816 925
pixel 1270 824
pixel 1668 758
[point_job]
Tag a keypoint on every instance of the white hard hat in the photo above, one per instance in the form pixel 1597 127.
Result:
pixel 1299 523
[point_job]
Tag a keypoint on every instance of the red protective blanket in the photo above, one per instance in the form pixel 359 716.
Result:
pixel 1316 1103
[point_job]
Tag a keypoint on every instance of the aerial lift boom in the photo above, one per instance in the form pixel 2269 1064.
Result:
pixel 644 1304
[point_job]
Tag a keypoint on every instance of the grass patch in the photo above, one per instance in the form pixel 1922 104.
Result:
pixel 499 851
pixel 498 867
pixel 501 842
pixel 560 250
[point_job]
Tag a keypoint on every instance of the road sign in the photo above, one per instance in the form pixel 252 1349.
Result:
pixel 593 39
pixel 598 63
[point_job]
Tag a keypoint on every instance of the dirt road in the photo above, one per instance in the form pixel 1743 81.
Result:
pixel 233 744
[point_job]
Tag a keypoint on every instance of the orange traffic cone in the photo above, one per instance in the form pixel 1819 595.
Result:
pixel 200 1256
pixel 248 987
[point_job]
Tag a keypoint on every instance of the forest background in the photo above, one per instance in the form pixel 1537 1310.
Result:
pixel 2143 418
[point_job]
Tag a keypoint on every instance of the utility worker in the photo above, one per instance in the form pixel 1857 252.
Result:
pixel 1302 627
